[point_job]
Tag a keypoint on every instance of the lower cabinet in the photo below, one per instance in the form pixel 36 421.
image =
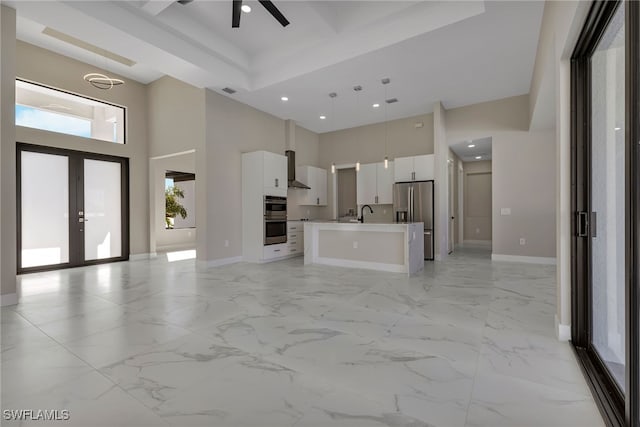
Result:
pixel 295 238
pixel 275 251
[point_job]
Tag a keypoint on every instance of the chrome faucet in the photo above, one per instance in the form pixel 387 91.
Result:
pixel 361 219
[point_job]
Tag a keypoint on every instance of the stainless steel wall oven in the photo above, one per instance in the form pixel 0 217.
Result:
pixel 275 220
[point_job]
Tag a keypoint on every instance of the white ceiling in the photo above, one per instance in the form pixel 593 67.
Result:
pixel 468 154
pixel 456 52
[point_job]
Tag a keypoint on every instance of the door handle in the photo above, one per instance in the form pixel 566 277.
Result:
pixel 582 224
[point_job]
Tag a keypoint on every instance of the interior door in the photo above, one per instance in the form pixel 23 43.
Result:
pixel 451 210
pixel 72 208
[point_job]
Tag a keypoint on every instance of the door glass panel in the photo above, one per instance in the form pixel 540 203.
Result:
pixel 44 199
pixel 608 198
pixel 103 214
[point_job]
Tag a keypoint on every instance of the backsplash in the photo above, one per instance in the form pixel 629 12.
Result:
pixel 381 213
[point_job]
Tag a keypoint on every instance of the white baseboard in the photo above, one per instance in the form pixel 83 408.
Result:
pixel 8 299
pixel 477 243
pixel 393 268
pixel 563 331
pixel 137 257
pixel 220 262
pixel 524 259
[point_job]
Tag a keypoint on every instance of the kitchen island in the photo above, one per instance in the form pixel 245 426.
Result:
pixel 394 247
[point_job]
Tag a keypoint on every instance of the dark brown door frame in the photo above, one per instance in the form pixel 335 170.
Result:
pixel 76 203
pixel 618 407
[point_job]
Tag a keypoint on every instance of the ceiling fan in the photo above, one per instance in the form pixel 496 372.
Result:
pixel 237 5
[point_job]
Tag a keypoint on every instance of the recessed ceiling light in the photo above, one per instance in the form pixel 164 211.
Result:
pixel 376 105
pixel 618 128
pixel 471 145
pixel 478 157
pixel 323 117
pixel 284 98
pixel 246 8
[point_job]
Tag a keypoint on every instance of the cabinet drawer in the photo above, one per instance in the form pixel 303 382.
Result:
pixel 275 251
pixel 294 226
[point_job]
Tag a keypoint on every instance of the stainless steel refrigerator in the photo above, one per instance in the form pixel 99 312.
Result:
pixel 413 202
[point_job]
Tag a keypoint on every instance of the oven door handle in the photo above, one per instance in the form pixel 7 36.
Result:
pixel 275 220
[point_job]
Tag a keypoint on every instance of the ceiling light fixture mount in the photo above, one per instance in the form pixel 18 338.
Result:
pixel 471 145
pixel 323 117
pixel 376 105
pixel 102 81
pixel 478 157
pixel 284 98
pixel 245 8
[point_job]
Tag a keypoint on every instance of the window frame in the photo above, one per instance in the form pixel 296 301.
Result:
pixel 124 109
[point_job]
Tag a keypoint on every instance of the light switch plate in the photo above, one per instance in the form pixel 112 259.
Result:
pixel 505 211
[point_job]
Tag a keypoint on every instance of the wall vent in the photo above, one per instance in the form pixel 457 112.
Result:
pixel 228 90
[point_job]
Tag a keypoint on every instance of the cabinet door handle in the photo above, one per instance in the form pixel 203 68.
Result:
pixel 276 182
pixel 317 200
pixel 376 199
pixel 276 250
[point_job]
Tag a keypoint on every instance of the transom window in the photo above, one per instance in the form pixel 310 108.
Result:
pixel 50 109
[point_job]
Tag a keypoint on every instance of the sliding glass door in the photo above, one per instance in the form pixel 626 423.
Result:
pixel 605 201
pixel 72 208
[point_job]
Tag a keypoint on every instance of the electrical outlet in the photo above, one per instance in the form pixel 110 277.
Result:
pixel 307 212
pixel 226 243
pixel 477 231
pixel 523 241
pixel 384 211
pixel 355 245
pixel 505 211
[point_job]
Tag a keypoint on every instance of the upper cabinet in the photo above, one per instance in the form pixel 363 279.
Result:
pixel 415 168
pixel 375 184
pixel 275 174
pixel 316 178
pixel 265 171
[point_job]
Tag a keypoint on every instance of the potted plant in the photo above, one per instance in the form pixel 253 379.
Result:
pixel 173 206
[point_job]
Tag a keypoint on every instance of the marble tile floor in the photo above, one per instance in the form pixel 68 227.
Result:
pixel 152 343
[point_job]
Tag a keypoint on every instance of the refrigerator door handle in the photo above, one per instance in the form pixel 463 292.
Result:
pixel 410 204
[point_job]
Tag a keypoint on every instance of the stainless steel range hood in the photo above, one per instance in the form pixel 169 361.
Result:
pixel 291 171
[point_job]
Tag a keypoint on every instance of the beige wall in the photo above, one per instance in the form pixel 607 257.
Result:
pixel 64 73
pixel 477 201
pixel 8 258
pixel 176 123
pixel 346 191
pixel 232 128
pixel 524 181
pixel 523 173
pixel 366 144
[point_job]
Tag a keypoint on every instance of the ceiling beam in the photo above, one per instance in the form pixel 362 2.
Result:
pixel 154 7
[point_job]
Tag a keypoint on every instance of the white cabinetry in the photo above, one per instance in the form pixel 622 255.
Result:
pixel 263 174
pixel 274 174
pixel 375 184
pixel 415 168
pixel 316 179
pixel 295 238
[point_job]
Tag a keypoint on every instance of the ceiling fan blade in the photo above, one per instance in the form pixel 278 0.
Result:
pixel 273 10
pixel 184 1
pixel 235 16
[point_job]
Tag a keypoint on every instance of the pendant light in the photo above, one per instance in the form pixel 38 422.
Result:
pixel 385 82
pixel 333 95
pixel 357 90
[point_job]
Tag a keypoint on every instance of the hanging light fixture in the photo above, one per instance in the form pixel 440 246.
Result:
pixel 357 89
pixel 385 82
pixel 333 95
pixel 102 81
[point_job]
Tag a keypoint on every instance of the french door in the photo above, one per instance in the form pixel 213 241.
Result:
pixel 605 94
pixel 72 208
